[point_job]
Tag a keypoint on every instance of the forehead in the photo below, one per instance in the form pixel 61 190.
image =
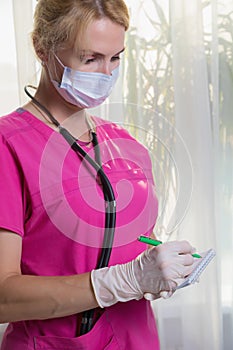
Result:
pixel 102 36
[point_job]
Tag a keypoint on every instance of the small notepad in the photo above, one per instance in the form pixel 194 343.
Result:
pixel 193 277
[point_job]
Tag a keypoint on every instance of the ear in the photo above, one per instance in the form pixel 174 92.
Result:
pixel 43 57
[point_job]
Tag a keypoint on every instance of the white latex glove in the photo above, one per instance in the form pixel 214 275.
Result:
pixel 155 271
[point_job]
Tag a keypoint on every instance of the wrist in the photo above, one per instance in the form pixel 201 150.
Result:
pixel 115 284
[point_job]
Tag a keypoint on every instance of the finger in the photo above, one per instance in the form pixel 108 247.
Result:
pixel 186 259
pixel 185 247
pixel 180 247
pixel 151 297
pixel 189 269
pixel 181 271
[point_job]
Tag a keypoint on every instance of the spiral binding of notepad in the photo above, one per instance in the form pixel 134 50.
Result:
pixel 193 277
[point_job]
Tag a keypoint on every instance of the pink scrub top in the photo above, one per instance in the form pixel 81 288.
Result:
pixel 51 198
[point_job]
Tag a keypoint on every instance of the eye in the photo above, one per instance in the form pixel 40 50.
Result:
pixel 89 60
pixel 115 58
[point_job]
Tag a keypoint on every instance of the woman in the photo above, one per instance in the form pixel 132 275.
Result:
pixel 53 210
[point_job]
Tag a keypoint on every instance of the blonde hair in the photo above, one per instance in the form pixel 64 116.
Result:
pixel 57 22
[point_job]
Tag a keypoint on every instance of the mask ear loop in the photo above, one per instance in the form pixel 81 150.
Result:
pixel 55 70
pixel 59 61
pixel 64 68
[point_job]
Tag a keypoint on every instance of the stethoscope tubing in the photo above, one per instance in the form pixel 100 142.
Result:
pixel 110 213
pixel 109 197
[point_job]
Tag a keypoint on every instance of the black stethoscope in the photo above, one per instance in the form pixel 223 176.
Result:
pixel 109 197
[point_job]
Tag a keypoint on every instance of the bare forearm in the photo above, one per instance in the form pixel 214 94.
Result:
pixel 32 297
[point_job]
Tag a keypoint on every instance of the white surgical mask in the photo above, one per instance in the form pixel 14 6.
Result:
pixel 85 89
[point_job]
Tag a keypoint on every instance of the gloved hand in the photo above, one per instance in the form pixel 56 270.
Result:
pixel 155 271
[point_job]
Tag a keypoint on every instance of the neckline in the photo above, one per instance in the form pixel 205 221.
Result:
pixel 45 129
pixel 38 124
pixel 84 143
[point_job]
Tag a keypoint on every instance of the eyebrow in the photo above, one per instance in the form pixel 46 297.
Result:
pixel 87 52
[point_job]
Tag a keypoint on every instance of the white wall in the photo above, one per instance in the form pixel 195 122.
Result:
pixel 8 68
pixel 9 99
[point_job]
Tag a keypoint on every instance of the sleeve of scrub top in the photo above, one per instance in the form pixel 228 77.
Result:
pixel 11 190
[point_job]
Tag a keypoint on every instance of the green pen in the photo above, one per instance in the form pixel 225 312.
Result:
pixel 154 242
